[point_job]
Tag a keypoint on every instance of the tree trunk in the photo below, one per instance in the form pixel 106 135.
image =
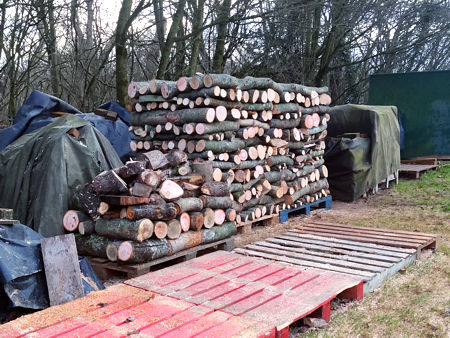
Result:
pixel 197 24
pixel 93 245
pixel 215 189
pixel 189 204
pixel 165 51
pixel 223 14
pixel 216 202
pixel 121 52
pixel 108 182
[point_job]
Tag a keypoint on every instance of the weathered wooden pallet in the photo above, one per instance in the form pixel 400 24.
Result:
pixel 414 170
pixel 221 294
pixel 105 268
pixel 368 253
pixel 387 237
pixel 267 220
pixel 324 203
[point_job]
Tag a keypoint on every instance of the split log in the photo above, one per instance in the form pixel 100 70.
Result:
pixel 154 212
pixel 215 189
pixel 230 215
pixel 169 190
pixel 130 169
pixel 150 178
pixel 138 230
pixel 193 178
pixel 203 168
pixel 140 190
pixel 108 182
pixel 87 200
pixel 103 208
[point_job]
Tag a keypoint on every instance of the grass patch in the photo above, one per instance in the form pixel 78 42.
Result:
pixel 414 303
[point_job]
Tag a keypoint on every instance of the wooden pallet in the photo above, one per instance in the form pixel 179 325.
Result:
pixel 414 170
pixel 105 268
pixel 324 203
pixel 221 294
pixel 370 262
pixel 396 238
pixel 267 220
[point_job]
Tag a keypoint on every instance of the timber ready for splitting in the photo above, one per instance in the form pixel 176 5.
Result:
pixel 258 145
pixel 153 206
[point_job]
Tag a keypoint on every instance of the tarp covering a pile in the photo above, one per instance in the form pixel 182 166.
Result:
pixel 37 109
pixel 358 164
pixel 22 277
pixel 39 171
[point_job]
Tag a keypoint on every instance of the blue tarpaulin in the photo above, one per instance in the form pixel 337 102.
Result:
pixel 36 113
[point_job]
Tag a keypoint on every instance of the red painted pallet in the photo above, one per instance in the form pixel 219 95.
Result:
pixel 253 289
pixel 221 294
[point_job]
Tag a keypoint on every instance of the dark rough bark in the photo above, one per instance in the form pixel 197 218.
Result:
pixel 189 204
pixel 154 212
pixel 108 182
pixel 138 231
pixel 93 245
pixel 218 233
pixel 87 200
pixel 121 52
pixel 146 251
pixel 215 189
pixel 222 17
pixel 130 169
pixel 165 51
pixel 216 202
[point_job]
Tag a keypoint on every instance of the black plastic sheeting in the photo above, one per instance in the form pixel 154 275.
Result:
pixel 36 111
pixel 40 171
pixel 22 276
pixel 356 165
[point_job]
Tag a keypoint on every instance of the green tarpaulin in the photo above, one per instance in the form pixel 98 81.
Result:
pixel 358 164
pixel 39 171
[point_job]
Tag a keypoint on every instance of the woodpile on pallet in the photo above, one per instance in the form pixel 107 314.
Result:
pixel 151 207
pixel 264 139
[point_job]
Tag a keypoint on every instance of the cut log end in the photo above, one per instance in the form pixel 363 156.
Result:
pixel 125 251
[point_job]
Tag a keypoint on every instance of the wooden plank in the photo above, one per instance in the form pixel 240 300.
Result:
pixel 348 256
pixel 279 256
pixel 362 246
pixel 414 168
pixel 62 269
pixel 363 239
pixel 362 233
pixel 278 249
pixel 256 220
pixel 413 234
pixel 9 221
pixel 329 247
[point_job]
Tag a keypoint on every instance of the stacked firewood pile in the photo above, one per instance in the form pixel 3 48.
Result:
pixel 264 139
pixel 150 208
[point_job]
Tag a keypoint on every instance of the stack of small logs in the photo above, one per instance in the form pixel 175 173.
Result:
pixel 265 139
pixel 151 207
